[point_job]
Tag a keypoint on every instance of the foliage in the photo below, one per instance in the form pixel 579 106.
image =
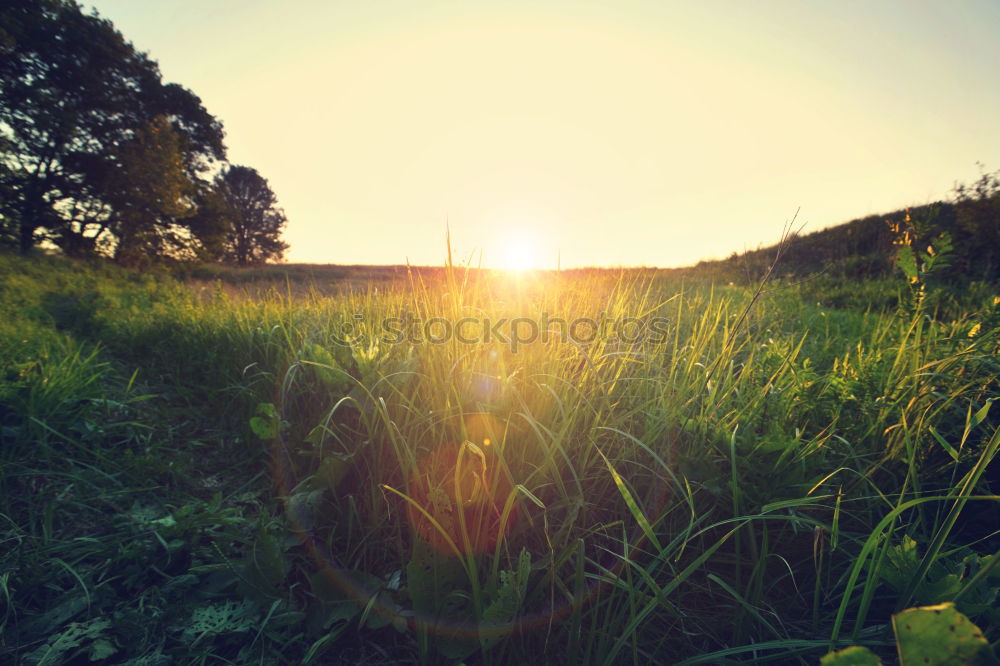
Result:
pixel 928 635
pixel 153 194
pixel 921 258
pixel 977 222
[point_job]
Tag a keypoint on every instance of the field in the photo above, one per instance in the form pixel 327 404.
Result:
pixel 444 465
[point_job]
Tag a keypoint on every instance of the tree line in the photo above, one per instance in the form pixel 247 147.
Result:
pixel 100 156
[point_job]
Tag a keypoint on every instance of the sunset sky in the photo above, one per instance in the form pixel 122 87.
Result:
pixel 625 133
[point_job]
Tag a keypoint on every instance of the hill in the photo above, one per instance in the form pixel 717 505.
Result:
pixel 866 247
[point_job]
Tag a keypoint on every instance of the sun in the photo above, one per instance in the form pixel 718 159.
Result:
pixel 519 254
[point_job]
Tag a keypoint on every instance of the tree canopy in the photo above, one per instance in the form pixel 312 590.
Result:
pixel 97 153
pixel 255 221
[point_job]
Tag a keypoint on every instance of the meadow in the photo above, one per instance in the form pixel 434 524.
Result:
pixel 266 468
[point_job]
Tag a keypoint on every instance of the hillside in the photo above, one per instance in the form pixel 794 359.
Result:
pixel 866 247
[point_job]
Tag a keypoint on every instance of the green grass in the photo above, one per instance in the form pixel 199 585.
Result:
pixel 204 472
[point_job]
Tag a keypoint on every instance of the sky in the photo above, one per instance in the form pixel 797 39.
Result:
pixel 623 133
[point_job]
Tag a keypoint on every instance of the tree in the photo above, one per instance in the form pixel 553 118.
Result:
pixel 255 221
pixel 152 194
pixel 211 224
pixel 77 104
pixel 977 213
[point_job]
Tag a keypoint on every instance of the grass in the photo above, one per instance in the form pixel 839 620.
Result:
pixel 243 472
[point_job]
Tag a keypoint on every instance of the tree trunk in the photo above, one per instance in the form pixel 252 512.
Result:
pixel 29 223
pixel 27 237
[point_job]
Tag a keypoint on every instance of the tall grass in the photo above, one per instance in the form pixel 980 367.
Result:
pixel 265 479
